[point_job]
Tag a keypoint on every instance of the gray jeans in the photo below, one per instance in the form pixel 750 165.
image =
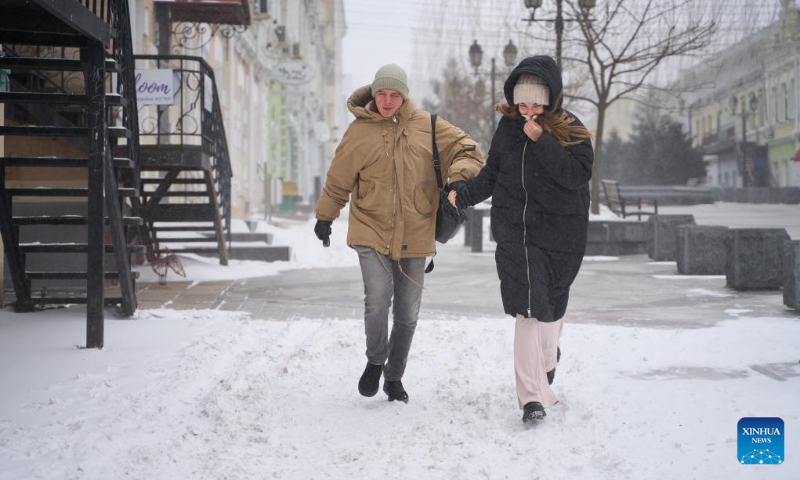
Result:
pixel 383 279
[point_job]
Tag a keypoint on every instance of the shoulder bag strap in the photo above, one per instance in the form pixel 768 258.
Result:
pixel 437 164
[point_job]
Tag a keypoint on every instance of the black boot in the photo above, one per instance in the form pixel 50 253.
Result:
pixel 395 391
pixel 551 375
pixel 370 380
pixel 532 411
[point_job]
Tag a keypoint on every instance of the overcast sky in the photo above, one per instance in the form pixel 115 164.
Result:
pixel 422 35
pixel 378 32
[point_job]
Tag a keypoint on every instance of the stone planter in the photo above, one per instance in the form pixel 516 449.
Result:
pixel 662 244
pixel 791 274
pixel 701 250
pixel 754 258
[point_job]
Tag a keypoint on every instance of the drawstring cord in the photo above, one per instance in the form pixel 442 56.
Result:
pixel 381 261
pixel 400 267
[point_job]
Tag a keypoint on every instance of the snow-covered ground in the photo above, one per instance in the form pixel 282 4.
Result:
pixel 212 394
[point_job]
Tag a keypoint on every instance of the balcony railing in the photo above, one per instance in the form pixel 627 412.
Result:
pixel 193 120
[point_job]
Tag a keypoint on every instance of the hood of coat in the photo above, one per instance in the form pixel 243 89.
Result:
pixel 543 67
pixel 359 101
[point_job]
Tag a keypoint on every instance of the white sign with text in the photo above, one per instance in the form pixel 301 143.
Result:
pixel 292 72
pixel 155 87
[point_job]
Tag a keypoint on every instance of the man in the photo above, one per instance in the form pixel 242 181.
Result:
pixel 384 166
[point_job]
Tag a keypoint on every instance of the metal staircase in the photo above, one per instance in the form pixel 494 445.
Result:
pixel 185 164
pixel 69 208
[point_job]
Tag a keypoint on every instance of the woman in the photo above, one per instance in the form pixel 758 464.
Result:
pixel 537 174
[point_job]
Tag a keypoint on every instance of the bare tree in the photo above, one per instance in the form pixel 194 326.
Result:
pixel 621 44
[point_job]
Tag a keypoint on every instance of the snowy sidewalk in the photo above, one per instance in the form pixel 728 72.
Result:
pixel 209 395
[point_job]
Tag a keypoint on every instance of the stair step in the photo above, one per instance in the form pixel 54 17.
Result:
pixel 58 162
pixel 185 240
pixel 184 229
pixel 182 213
pixel 71 275
pixel 148 193
pixel 178 181
pixel 37 131
pixel 70 220
pixel 70 248
pixel 113 99
pixel 119 132
pixel 54 64
pixel 55 39
pixel 109 301
pixel 197 250
pixel 63 192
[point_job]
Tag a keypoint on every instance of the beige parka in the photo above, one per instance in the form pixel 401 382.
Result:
pixel 384 167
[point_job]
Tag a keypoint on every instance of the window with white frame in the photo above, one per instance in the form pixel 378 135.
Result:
pixel 785 102
pixel 775 103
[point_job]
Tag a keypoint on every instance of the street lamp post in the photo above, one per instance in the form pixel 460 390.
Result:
pixel 559 21
pixel 475 58
pixel 745 166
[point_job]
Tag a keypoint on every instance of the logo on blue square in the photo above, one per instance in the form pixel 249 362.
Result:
pixel 760 441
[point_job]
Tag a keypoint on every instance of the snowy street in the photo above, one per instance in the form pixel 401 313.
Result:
pixel 250 372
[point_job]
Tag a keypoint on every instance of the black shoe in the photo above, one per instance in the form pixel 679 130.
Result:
pixel 532 411
pixel 395 391
pixel 551 375
pixel 370 380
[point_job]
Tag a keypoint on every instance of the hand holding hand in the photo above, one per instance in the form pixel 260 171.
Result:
pixel 323 231
pixel 532 129
pixel 451 197
pixel 463 197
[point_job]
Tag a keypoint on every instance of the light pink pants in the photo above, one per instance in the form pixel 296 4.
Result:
pixel 535 345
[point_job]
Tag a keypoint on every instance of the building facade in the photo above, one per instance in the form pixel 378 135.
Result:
pixel 744 113
pixel 278 125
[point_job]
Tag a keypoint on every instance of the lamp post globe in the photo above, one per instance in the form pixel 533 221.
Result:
pixel 510 54
pixel 753 102
pixel 475 55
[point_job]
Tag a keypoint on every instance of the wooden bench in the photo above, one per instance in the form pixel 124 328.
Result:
pixel 621 206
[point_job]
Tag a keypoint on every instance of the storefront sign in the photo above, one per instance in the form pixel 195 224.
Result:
pixel 155 87
pixel 294 72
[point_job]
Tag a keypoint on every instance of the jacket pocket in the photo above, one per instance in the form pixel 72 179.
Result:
pixel 421 203
pixel 364 189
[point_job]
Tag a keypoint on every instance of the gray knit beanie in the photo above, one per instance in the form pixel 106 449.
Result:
pixel 531 89
pixel 390 76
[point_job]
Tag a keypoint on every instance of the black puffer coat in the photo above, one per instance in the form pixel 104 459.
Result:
pixel 540 206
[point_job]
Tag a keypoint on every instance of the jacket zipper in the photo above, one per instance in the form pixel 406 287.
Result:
pixel 394 184
pixel 525 230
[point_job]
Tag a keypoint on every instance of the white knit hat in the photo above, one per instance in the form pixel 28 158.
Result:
pixel 531 89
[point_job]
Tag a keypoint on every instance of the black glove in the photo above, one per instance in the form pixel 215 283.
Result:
pixel 323 231
pixel 463 197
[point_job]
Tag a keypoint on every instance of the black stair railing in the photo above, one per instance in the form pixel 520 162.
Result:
pixel 194 120
pixel 122 54
pixel 107 67
pixel 222 160
pixel 128 114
